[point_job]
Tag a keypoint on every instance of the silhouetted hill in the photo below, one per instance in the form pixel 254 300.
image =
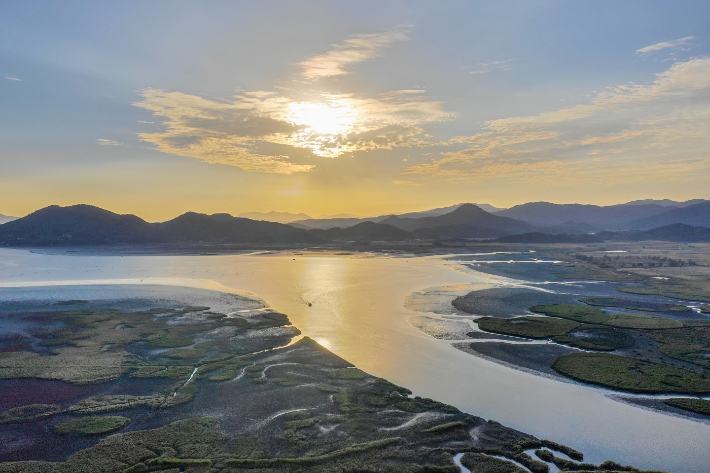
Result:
pixel 278 217
pixel 573 228
pixel 546 214
pixel 666 202
pixel 456 232
pixel 677 232
pixel 327 223
pixel 364 231
pixel 344 222
pixel 81 225
pixel 193 227
pixel 466 215
pixel 697 215
pixel 76 225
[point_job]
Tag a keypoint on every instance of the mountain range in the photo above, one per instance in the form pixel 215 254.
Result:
pixel 537 222
pixel 278 217
pixel 348 221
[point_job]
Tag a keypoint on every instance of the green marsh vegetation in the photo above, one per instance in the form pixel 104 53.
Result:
pixel 631 374
pixel 592 328
pixel 699 406
pixel 480 463
pixel 634 304
pixel 94 425
pixel 578 313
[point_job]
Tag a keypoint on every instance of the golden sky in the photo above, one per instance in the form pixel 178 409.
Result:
pixel 351 115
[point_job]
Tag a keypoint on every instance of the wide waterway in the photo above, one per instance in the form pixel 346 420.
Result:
pixel 354 306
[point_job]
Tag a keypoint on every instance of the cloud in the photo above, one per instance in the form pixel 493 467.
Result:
pixel 13 79
pixel 486 67
pixel 655 132
pixel 675 44
pixel 407 183
pixel 104 142
pixel 353 50
pixel 228 131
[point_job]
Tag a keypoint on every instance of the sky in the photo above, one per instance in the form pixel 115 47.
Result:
pixel 368 108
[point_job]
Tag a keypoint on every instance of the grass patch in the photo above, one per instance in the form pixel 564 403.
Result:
pixel 480 463
pixel 634 305
pixel 95 425
pixel 315 459
pixel 529 327
pixel 30 413
pixel 699 406
pixel 629 374
pixel 347 373
pixel 691 344
pixel 600 338
pixel 445 427
pixel 640 321
pixel 578 313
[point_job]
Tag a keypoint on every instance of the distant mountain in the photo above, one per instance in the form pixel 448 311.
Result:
pixel 83 225
pixel 457 232
pixel 545 214
pixel 464 215
pixel 364 231
pixel 193 227
pixel 323 217
pixel 677 232
pixel 327 223
pixel 666 202
pixel 6 218
pixel 344 220
pixel 279 217
pixel 696 214
pixel 574 228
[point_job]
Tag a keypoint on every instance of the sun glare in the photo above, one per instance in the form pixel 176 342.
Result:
pixel 323 125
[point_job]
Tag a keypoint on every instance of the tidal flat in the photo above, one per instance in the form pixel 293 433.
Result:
pixel 192 389
pixel 356 310
pixel 647 342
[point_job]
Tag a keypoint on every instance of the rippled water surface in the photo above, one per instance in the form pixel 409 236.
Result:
pixel 358 306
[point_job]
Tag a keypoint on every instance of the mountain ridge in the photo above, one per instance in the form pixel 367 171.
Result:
pixel 83 224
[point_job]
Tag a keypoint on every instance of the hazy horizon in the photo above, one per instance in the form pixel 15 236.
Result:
pixel 333 216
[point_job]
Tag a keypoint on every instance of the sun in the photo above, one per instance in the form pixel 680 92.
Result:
pixel 332 118
pixel 324 125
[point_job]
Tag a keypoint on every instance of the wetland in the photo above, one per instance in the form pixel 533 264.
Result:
pixel 341 302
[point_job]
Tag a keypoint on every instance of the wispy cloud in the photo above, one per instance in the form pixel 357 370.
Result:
pixel 656 131
pixel 680 43
pixel 486 67
pixel 353 50
pixel 400 182
pixel 105 142
pixel 13 79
